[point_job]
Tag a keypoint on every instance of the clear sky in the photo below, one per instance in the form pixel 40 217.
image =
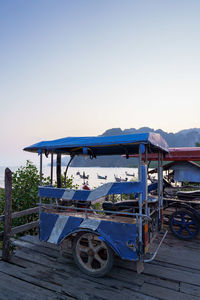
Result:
pixel 79 67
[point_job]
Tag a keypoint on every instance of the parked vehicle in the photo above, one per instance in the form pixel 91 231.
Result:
pixel 184 221
pixel 124 228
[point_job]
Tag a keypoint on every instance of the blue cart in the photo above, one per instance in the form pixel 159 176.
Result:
pixel 124 228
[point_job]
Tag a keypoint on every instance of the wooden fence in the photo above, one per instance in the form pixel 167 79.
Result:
pixel 8 216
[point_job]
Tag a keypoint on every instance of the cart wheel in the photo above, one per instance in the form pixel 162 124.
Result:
pixel 92 255
pixel 184 225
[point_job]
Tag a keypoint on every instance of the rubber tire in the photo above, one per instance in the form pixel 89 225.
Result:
pixel 191 215
pixel 100 273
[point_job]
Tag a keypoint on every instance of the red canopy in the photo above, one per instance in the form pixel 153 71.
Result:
pixel 177 154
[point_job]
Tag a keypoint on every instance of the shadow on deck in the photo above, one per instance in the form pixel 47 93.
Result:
pixel 39 271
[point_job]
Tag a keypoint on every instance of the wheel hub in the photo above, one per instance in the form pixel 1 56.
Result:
pixel 91 253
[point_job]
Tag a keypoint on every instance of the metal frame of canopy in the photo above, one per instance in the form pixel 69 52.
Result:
pixel 176 154
pixel 52 225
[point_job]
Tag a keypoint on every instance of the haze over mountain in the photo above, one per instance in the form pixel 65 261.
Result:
pixel 183 138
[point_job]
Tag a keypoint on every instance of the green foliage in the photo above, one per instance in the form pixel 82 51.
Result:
pixel 25 183
pixel 2 197
pixel 69 182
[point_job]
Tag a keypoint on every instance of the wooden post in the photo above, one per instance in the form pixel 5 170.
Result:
pixel 58 171
pixel 8 213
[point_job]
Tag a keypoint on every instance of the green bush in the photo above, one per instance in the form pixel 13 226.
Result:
pixel 25 183
pixel 2 197
pixel 69 182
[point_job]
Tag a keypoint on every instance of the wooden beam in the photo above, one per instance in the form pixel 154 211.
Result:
pixel 22 213
pixel 22 228
pixel 8 212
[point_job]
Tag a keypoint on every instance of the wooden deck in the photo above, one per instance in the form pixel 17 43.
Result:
pixel 39 271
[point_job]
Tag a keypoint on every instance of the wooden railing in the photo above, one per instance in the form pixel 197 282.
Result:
pixel 24 227
pixel 8 216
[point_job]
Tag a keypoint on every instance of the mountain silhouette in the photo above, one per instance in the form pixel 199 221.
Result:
pixel 183 138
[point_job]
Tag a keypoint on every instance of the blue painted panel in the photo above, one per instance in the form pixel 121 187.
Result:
pixel 117 235
pixel 50 192
pixel 53 228
pixel 81 195
pixel 47 222
pixel 72 225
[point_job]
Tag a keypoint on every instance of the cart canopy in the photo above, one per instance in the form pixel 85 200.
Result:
pixel 101 145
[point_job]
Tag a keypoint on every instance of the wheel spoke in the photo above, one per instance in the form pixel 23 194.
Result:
pixel 182 217
pixel 97 248
pixel 100 260
pixel 90 239
pixel 83 249
pixel 89 262
pixel 188 230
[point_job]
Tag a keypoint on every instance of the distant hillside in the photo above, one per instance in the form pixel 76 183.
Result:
pixel 183 138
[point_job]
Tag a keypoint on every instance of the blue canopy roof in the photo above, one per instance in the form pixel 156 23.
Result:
pixel 101 145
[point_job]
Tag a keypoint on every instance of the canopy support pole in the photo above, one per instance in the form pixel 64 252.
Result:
pixel 51 168
pixel 40 208
pixel 146 200
pixel 160 189
pixel 40 169
pixel 58 171
pixel 140 199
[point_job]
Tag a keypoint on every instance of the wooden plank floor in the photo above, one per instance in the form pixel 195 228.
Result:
pixel 39 271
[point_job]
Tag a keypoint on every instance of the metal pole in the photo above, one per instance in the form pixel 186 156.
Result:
pixel 140 199
pixel 159 190
pixel 146 200
pixel 161 175
pixel 52 168
pixel 40 208
pixel 58 171
pixel 139 164
pixel 40 169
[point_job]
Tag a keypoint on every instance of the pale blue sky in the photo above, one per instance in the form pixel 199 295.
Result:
pixel 70 68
